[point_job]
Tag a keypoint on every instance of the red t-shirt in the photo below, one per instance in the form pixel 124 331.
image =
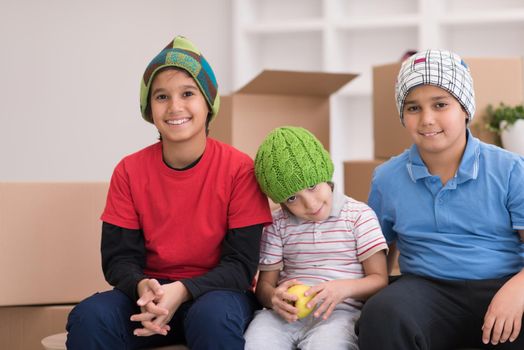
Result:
pixel 185 215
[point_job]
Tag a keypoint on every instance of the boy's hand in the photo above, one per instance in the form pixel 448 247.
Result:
pixel 503 319
pixel 328 296
pixel 157 323
pixel 150 292
pixel 148 289
pixel 282 302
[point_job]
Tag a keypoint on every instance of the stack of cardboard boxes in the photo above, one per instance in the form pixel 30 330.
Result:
pixel 495 80
pixel 50 257
pixel 277 98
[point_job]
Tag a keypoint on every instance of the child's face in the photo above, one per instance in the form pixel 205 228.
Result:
pixel 435 120
pixel 178 107
pixel 313 203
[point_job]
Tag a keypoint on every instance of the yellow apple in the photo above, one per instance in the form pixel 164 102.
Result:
pixel 301 303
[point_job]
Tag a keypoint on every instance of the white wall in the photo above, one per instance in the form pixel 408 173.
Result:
pixel 69 79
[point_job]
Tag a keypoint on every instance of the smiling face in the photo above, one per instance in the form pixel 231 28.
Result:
pixel 436 121
pixel 313 203
pixel 178 107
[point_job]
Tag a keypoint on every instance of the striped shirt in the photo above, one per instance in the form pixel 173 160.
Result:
pixel 315 252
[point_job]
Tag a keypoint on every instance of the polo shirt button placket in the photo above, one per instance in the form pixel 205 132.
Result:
pixel 437 204
pixel 316 230
pixel 433 185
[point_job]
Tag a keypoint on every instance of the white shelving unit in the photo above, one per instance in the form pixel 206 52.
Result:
pixel 354 35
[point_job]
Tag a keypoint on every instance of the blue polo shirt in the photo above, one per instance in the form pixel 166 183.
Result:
pixel 463 230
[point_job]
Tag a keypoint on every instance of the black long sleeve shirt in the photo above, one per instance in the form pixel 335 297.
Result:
pixel 124 259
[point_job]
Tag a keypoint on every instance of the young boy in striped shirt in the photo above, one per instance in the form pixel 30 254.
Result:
pixel 319 238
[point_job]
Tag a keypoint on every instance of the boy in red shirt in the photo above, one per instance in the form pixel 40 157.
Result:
pixel 182 224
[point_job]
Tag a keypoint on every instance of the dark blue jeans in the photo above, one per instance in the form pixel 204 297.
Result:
pixel 215 320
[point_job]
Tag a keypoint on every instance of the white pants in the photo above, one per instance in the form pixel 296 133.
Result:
pixel 269 331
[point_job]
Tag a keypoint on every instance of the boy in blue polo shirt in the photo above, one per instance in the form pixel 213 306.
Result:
pixel 454 207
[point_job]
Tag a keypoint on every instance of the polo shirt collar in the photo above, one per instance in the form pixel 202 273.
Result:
pixel 468 168
pixel 469 165
pixel 336 208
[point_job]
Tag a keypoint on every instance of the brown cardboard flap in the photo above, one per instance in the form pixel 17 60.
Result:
pixel 280 82
pixel 257 115
pixel 357 178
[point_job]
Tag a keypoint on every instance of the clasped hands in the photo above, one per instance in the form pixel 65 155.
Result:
pixel 158 304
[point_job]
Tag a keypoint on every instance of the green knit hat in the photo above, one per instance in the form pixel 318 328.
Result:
pixel 289 160
pixel 181 53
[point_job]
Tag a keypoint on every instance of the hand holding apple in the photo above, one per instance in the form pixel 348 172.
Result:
pixel 327 295
pixel 302 300
pixel 283 303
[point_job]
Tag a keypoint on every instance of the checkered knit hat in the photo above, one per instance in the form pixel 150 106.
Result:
pixel 289 160
pixel 440 68
pixel 181 53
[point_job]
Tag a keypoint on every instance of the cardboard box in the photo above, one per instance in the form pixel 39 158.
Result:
pixel 50 237
pixel 495 80
pixel 357 178
pixel 23 327
pixel 390 137
pixel 273 99
pixel 357 183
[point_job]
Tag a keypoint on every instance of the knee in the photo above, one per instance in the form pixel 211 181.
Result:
pixel 266 322
pixel 331 337
pixel 381 317
pixel 216 313
pixel 84 323
pixel 380 308
pixel 95 312
pixel 208 317
pixel 101 322
pixel 87 314
pixel 219 313
pixel 387 323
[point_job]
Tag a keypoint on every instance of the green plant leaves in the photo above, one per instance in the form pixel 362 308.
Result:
pixel 503 113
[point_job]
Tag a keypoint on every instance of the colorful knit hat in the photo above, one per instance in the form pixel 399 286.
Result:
pixel 440 68
pixel 289 160
pixel 181 53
